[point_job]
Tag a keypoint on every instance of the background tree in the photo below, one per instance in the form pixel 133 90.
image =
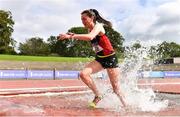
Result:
pixel 34 46
pixel 136 45
pixel 153 52
pixel 7 43
pixel 168 50
pixel 165 50
pixel 57 47
pixel 174 49
pixel 52 43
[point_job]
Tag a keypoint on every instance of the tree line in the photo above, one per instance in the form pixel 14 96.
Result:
pixel 70 47
pixel 36 46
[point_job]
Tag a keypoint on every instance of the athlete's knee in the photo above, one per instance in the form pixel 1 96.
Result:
pixel 116 90
pixel 83 74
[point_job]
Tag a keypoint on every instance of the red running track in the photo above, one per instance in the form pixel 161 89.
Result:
pixel 72 103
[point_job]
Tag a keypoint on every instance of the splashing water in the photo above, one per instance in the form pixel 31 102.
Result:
pixel 139 99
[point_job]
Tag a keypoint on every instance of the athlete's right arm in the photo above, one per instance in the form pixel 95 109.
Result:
pixel 86 37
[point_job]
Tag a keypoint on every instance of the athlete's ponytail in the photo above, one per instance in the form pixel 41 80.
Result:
pixel 94 13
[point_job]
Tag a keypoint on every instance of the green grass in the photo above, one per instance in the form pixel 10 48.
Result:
pixel 43 58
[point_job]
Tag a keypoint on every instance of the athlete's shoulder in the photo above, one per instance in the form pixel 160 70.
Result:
pixel 98 24
pixel 101 27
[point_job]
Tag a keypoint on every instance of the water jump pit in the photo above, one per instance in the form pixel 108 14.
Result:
pixel 70 98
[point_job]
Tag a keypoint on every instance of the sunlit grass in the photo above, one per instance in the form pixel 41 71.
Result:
pixel 43 58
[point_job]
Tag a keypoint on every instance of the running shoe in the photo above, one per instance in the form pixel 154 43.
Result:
pixel 94 102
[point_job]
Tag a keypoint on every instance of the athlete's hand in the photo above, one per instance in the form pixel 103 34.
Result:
pixel 64 36
pixel 70 33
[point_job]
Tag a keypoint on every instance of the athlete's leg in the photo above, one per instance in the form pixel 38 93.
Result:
pixel 92 67
pixel 113 74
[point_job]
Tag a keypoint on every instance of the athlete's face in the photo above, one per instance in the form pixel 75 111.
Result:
pixel 86 20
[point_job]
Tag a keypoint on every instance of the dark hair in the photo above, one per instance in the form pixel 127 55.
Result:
pixel 94 13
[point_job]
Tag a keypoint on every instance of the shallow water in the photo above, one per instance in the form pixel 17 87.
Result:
pixel 140 99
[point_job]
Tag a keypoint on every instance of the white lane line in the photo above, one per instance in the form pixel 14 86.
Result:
pixel 43 88
pixel 74 87
pixel 169 83
pixel 49 94
pixel 6 91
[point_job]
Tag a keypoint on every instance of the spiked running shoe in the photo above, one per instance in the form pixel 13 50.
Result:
pixel 93 104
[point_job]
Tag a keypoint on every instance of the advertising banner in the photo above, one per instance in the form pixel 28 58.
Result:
pixel 173 74
pixel 14 74
pixel 66 74
pixel 40 74
pixel 151 74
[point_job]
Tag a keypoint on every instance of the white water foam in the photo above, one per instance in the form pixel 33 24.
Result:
pixel 139 99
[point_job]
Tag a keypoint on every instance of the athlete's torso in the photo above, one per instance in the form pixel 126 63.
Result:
pixel 102 45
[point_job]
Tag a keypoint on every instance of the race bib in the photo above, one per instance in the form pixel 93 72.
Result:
pixel 97 48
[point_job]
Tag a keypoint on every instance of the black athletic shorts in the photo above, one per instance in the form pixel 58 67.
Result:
pixel 108 62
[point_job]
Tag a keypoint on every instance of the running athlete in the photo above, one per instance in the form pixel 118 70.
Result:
pixel 105 55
